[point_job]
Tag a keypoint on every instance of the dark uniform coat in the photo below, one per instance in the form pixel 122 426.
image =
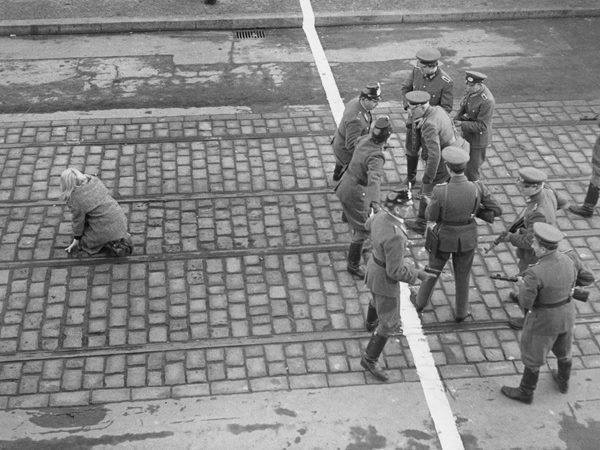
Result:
pixel 476 112
pixel 439 86
pixel 453 208
pixel 550 281
pixel 356 122
pixel 360 184
pixel 437 133
pixel 596 164
pixel 541 207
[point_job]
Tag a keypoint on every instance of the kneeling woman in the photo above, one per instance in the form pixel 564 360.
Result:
pixel 99 223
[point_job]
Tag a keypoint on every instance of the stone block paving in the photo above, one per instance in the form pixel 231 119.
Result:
pixel 238 280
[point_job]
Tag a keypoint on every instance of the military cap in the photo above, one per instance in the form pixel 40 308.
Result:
pixel 428 55
pixel 372 91
pixel 417 97
pixel 531 175
pixel 455 156
pixel 474 77
pixel 546 234
pixel 383 122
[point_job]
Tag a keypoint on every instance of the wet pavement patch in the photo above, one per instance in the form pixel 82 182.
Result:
pixel 577 435
pixel 416 434
pixel 238 429
pixel 69 417
pixel 80 442
pixel 285 412
pixel 365 439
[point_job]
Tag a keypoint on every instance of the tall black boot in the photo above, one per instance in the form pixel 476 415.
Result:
pixel 354 255
pixel 523 393
pixel 337 172
pixel 372 319
pixel 591 199
pixel 562 375
pixel 412 163
pixel 369 359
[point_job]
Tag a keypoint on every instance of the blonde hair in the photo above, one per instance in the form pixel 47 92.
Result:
pixel 70 178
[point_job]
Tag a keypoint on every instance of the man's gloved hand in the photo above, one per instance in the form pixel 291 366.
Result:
pixel 504 236
pixel 375 207
pixel 424 276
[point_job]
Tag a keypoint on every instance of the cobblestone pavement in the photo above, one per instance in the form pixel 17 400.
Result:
pixel 238 282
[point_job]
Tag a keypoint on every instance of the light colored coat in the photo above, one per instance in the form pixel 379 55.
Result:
pixel 389 247
pixel 97 217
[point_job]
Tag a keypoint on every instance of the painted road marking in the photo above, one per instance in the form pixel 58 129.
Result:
pixel 435 395
pixel 331 90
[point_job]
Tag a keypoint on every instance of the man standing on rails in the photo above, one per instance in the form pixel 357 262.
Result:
pixel 545 291
pixel 385 269
pixel 359 188
pixel 474 120
pixel 426 76
pixel 356 122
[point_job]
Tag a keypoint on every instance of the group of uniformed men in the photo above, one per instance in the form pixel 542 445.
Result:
pixel 451 197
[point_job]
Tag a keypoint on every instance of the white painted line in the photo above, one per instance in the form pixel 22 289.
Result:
pixel 439 408
pixel 331 90
pixel 435 395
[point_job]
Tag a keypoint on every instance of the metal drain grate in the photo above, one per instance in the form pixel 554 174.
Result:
pixel 249 34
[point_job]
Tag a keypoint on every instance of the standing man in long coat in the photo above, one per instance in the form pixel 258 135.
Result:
pixel 453 208
pixel 359 188
pixel 541 205
pixel 545 291
pixel 436 132
pixel 356 122
pixel 474 120
pixel 426 76
pixel 385 269
pixel 593 190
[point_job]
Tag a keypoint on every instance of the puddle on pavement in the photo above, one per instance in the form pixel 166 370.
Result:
pixel 69 417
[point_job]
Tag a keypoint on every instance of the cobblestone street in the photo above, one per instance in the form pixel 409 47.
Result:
pixel 238 281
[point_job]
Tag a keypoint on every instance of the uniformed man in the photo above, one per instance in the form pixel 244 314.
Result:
pixel 453 230
pixel 545 291
pixel 385 269
pixel 426 76
pixel 356 122
pixel 436 132
pixel 359 188
pixel 541 206
pixel 474 120
pixel 593 191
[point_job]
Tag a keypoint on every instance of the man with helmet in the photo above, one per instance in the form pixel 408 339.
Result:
pixel 426 76
pixel 356 122
pixel 359 188
pixel 545 290
pixel 385 269
pixel 452 211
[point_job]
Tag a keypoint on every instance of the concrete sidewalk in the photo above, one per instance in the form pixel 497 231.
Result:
pixel 35 17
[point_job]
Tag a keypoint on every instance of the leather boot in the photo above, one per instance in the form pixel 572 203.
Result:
pixel 523 393
pixel 354 255
pixel 412 163
pixel 372 319
pixel 369 359
pixel 591 198
pixel 562 375
pixel 337 172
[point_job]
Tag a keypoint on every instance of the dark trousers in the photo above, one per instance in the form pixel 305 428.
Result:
pixel 476 159
pixel 462 262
